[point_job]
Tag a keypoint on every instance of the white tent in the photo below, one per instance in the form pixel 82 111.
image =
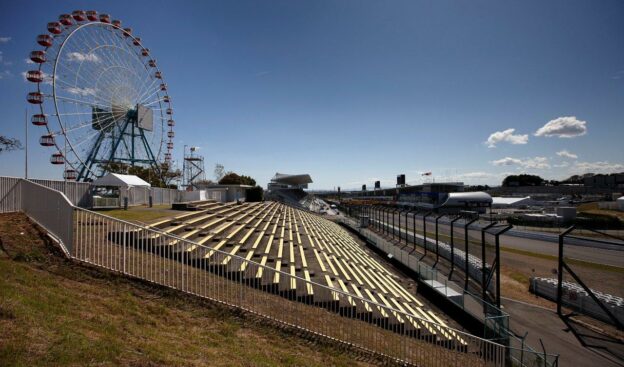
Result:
pixel 118 180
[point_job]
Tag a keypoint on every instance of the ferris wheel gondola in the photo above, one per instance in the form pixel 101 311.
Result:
pixel 101 97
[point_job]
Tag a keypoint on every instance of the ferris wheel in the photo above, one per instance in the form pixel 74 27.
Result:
pixel 101 96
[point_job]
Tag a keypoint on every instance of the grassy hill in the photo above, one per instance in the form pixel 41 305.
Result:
pixel 55 312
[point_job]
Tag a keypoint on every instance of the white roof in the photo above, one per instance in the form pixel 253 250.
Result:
pixel 497 200
pixel 116 179
pixel 462 198
pixel 299 179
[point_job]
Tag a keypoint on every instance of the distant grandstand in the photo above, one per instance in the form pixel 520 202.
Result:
pixel 289 188
pixel 285 181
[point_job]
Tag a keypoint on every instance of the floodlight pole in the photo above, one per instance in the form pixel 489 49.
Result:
pixel 26 142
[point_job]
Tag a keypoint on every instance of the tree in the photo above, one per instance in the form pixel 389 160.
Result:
pixel 219 171
pixel 523 180
pixel 254 194
pixel 231 178
pixel 8 144
pixel 246 180
pixel 202 183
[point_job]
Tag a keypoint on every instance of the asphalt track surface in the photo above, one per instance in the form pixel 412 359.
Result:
pixel 539 243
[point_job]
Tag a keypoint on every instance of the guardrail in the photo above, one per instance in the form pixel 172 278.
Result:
pixel 151 255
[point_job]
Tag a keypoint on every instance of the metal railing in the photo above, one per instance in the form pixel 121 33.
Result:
pixel 223 276
pixel 80 194
pixel 10 194
pixel 495 320
pixel 49 208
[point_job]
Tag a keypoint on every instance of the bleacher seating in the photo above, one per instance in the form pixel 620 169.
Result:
pixel 301 244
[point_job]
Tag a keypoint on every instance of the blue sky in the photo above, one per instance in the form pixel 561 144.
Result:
pixel 354 91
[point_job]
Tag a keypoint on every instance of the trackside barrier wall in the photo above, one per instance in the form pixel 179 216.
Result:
pixel 576 298
pixel 168 260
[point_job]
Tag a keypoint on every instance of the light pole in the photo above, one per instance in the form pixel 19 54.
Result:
pixel 26 142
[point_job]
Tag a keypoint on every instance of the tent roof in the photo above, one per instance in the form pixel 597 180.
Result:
pixel 116 179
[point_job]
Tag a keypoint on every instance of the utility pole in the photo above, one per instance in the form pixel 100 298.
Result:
pixel 26 141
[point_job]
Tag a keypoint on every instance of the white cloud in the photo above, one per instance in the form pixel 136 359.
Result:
pixel 597 167
pixel 81 91
pixel 5 74
pixel 564 153
pixel 507 136
pixel 535 163
pixel 507 161
pixel 561 165
pixel 77 56
pixel 563 127
pixel 5 39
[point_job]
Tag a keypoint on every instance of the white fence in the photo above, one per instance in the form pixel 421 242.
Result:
pixel 79 193
pixel 168 260
pixel 51 209
pixel 140 196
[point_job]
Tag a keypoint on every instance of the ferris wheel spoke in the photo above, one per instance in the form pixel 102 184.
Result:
pixel 92 101
pixel 81 102
pixel 154 92
pixel 153 102
pixel 109 120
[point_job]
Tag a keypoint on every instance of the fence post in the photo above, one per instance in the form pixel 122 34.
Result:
pixel 125 235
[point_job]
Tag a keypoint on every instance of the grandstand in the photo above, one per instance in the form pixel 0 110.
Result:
pixel 288 188
pixel 286 181
pixel 304 245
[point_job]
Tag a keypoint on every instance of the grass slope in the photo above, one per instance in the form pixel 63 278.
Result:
pixel 54 312
pixel 141 214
